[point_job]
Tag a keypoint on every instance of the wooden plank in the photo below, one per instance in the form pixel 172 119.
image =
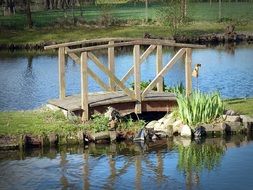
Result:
pixel 73 103
pixel 159 66
pixel 111 65
pixel 137 78
pixel 84 86
pixel 61 70
pixel 111 75
pixel 164 71
pixel 142 58
pixel 188 71
pixel 90 72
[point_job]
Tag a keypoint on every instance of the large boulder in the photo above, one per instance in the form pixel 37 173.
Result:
pixel 177 126
pixel 186 131
pixel 232 118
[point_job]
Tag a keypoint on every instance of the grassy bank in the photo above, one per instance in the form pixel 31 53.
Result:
pixel 58 35
pixel 44 121
pixel 242 106
pixel 58 26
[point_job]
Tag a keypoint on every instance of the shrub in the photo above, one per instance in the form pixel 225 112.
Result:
pixel 199 108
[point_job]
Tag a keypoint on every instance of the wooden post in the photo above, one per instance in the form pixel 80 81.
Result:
pixel 188 71
pixel 137 78
pixel 159 66
pixel 84 86
pixel 61 70
pixel 111 65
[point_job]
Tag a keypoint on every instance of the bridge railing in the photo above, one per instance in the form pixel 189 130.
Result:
pixel 114 82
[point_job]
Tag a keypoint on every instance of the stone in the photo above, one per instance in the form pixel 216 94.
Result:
pixel 151 125
pixel 112 114
pixel 234 127
pixel 53 139
pixel 199 131
pixel 247 122
pixel 141 135
pixel 232 118
pixel 186 131
pixel 157 126
pixel 113 135
pixel 176 126
pixel 100 136
pixel 230 112
pixel 10 142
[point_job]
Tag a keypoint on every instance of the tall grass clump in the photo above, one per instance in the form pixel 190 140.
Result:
pixel 199 108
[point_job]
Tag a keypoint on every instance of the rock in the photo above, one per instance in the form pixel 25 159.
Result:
pixel 10 142
pixel 33 141
pixel 157 126
pixel 232 118
pixel 199 131
pixel 186 131
pixel 247 122
pixel 113 124
pixel 161 134
pixel 151 125
pixel 177 126
pixel 113 135
pixel 230 112
pixel 100 136
pixel 234 127
pixel 53 139
pixel 141 135
pixel 112 114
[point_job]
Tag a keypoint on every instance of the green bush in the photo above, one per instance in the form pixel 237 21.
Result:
pixel 199 107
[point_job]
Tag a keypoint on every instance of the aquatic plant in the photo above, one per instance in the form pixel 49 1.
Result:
pixel 98 123
pixel 197 157
pixel 199 107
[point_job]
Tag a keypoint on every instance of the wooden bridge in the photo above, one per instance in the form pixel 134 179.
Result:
pixel 116 93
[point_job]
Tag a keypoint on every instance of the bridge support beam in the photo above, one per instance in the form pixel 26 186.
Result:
pixel 84 86
pixel 61 70
pixel 159 66
pixel 188 71
pixel 137 78
pixel 111 65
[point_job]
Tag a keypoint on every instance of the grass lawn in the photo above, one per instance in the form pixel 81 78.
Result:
pixel 204 19
pixel 242 106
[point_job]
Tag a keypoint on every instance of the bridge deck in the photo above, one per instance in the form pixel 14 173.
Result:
pixel 105 99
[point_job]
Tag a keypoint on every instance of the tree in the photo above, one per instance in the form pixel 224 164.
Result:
pixel 28 13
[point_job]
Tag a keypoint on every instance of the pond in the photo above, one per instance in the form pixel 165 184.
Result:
pixel 215 163
pixel 29 79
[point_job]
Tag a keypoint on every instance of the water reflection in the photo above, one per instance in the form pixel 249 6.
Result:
pixel 171 164
pixel 28 80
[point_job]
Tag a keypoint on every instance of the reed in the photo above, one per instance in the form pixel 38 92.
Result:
pixel 199 107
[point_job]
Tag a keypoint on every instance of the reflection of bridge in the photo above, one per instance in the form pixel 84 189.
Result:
pixel 117 94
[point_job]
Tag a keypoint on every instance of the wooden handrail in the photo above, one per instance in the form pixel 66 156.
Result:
pixel 136 42
pixel 83 42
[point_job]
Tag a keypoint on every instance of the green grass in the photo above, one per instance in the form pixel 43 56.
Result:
pixel 242 106
pixel 35 122
pixel 44 121
pixel 197 12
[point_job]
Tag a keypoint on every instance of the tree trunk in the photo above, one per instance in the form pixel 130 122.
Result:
pixel 29 13
pixel 146 10
pixel 219 9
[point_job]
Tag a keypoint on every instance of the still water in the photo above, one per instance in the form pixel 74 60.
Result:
pixel 216 163
pixel 28 80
